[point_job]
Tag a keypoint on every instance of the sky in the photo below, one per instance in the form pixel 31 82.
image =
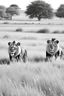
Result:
pixel 23 3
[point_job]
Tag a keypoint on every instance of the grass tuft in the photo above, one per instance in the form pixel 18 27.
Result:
pixel 56 32
pixel 4 61
pixel 43 31
pixel 19 30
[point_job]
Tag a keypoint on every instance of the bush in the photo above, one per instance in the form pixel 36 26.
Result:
pixel 4 61
pixel 6 23
pixel 62 32
pixel 43 31
pixel 56 32
pixel 6 37
pixel 19 30
pixel 36 59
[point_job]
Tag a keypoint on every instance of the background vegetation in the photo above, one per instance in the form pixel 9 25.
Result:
pixel 36 9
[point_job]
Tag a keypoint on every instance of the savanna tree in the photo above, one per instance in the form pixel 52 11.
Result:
pixel 39 9
pixel 13 10
pixel 2 7
pixel 15 6
pixel 60 11
pixel 2 11
pixel 8 16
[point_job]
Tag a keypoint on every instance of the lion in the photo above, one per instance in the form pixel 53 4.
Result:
pixel 16 52
pixel 53 49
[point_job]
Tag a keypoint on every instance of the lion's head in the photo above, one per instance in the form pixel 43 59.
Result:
pixel 52 46
pixel 12 47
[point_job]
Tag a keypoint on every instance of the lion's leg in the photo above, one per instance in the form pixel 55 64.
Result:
pixel 48 56
pixel 10 57
pixel 17 57
pixel 57 54
pixel 61 55
pixel 24 58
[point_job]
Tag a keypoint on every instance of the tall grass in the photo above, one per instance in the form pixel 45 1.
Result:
pixel 31 79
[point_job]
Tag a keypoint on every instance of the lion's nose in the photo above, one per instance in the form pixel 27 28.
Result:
pixel 51 46
pixel 12 49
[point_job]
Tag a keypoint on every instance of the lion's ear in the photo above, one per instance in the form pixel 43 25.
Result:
pixel 18 44
pixel 48 41
pixel 13 42
pixel 9 43
pixel 57 41
pixel 53 39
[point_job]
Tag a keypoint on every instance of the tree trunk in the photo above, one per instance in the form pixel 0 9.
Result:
pixel 39 18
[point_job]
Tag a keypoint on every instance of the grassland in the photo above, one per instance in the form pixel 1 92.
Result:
pixel 32 79
pixel 35 77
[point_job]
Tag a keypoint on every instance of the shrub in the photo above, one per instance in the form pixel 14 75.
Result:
pixel 19 30
pixel 36 59
pixel 62 32
pixel 6 37
pixel 4 61
pixel 43 31
pixel 56 32
pixel 6 23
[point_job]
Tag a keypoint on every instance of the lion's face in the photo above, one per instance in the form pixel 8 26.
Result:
pixel 12 47
pixel 52 46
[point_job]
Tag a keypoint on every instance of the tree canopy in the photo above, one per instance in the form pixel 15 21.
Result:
pixel 12 11
pixel 7 13
pixel 14 5
pixel 2 13
pixel 39 9
pixel 60 11
pixel 2 7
